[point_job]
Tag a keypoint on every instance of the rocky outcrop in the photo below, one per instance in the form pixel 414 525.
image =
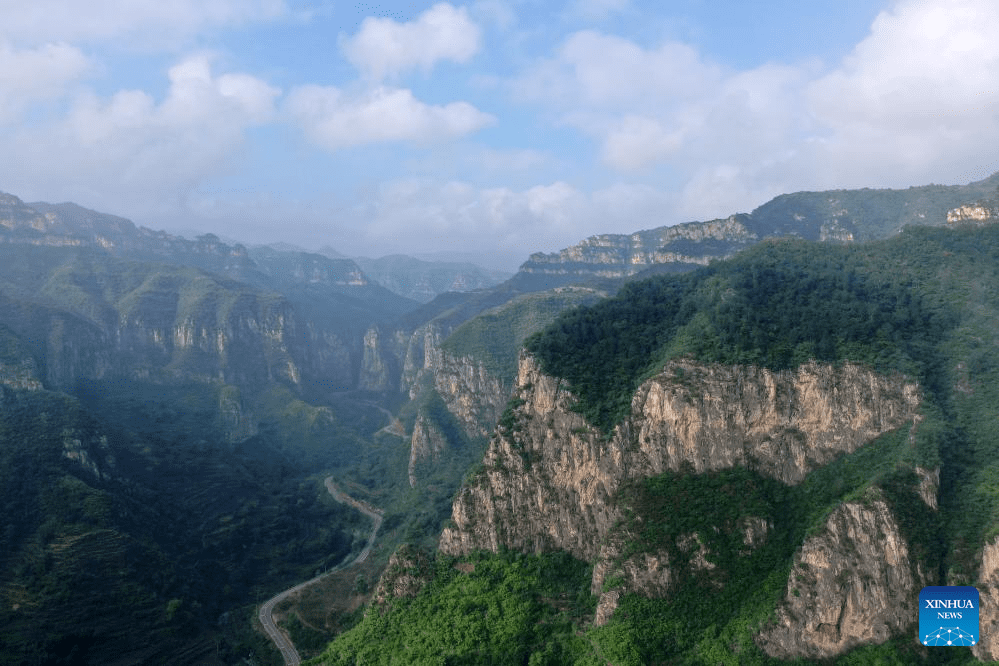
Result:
pixel 94 456
pixel 18 368
pixel 425 446
pixel 421 354
pixel 621 255
pixel 851 584
pixel 549 477
pixel 988 617
pixel 236 423
pixel 408 571
pixel 473 395
pixel 978 214
pixel 377 371
pixel 929 485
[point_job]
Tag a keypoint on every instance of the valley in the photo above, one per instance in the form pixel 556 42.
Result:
pixel 691 444
pixel 266 614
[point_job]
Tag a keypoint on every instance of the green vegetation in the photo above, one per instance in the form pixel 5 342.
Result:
pixel 494 609
pixel 888 304
pixel 925 304
pixel 126 514
pixel 713 613
pixel 494 337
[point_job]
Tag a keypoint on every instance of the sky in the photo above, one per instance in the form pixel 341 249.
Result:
pixel 484 130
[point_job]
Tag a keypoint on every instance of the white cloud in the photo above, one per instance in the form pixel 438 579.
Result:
pixel 336 120
pixel 916 100
pixel 423 216
pixel 139 22
pixel 495 12
pixel 415 216
pixel 130 150
pixel 32 75
pixel 383 47
pixel 510 160
pixel 635 141
pixel 919 93
pixel 609 72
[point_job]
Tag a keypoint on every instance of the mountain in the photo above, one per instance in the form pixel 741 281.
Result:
pixel 473 382
pixel 424 280
pixel 761 460
pixel 834 216
pixel 169 407
pixel 165 405
pixel 327 305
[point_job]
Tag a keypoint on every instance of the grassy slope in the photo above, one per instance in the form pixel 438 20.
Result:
pixel 495 336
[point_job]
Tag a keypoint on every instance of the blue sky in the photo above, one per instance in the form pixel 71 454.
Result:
pixel 487 129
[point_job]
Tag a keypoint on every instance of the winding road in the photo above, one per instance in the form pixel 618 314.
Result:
pixel 280 639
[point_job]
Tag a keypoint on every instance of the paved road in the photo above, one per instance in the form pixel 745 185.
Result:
pixel 394 426
pixel 280 639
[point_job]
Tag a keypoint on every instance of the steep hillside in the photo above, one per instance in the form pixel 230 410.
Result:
pixel 836 216
pixel 333 301
pixel 132 531
pixel 762 460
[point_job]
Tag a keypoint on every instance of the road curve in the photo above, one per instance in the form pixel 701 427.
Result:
pixel 279 638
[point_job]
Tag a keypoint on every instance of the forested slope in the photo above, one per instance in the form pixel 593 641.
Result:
pixel 696 566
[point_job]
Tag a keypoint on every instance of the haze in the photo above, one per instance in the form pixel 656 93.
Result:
pixel 484 130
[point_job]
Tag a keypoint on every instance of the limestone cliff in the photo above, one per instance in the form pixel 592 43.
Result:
pixel 471 394
pixel 18 369
pixel 853 583
pixel 549 479
pixel 408 571
pixel 377 371
pixel 235 421
pixel 978 214
pixel 621 255
pixel 426 445
pixel 988 589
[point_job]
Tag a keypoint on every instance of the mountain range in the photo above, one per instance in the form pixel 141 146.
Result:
pixel 169 408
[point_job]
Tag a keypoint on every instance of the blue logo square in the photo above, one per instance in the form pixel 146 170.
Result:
pixel 948 615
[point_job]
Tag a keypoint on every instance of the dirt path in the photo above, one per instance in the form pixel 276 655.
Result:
pixel 280 639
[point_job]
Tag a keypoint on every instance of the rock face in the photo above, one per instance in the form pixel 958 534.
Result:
pixel 317 327
pixel 548 478
pixel 377 372
pixel 425 446
pixel 851 584
pixel 621 255
pixel 18 369
pixel 473 396
pixel 988 589
pixel 978 214
pixel 471 393
pixel 408 570
pixel 235 422
pixel 839 216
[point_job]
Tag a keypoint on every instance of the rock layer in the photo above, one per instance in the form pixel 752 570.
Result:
pixel 547 479
pixel 988 618
pixel 851 584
